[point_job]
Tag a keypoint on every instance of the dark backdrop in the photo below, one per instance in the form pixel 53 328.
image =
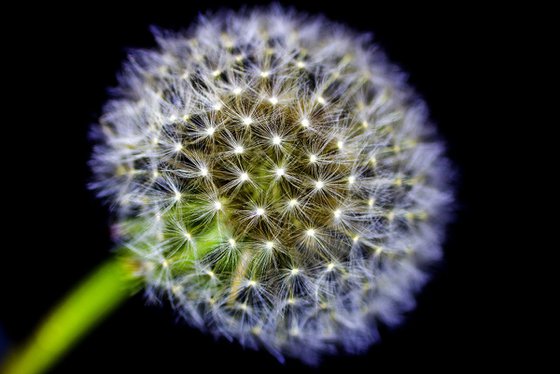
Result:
pixel 65 60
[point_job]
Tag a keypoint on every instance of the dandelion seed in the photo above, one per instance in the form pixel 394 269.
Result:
pixel 310 233
pixel 238 149
pixel 312 158
pixel 247 121
pixel 232 242
pixel 265 74
pixel 217 205
pixel 244 176
pixel 237 91
pixel 276 140
pixel 319 184
pixel 351 179
pixel 259 211
pixel 292 203
pixel 280 172
pixel 273 100
pixel 305 122
pixel 321 100
pixel 204 171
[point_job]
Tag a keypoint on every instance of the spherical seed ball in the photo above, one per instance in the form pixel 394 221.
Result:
pixel 276 178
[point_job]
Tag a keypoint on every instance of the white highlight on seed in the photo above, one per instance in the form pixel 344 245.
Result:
pixel 319 184
pixel 247 121
pixel 312 158
pixel 265 74
pixel 269 245
pixel 321 100
pixel 276 140
pixel 210 130
pixel 238 149
pixel 231 242
pixel 177 147
pixel 370 202
pixel 216 73
pixel 217 205
pixel 217 106
pixel 300 64
pixel 351 179
pixel 310 233
pixel 204 171
pixel 356 238
pixel 292 203
pixel 251 283
pixel 305 122
pixel 187 236
pixel 237 91
pixel 259 211
pixel 330 267
pixel 178 196
pixel 273 100
pixel 280 172
pixel 337 213
pixel 340 144
pixel 244 176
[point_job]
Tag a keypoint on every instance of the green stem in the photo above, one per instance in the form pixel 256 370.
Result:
pixel 86 305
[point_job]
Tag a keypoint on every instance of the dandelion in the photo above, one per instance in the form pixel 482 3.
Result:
pixel 305 257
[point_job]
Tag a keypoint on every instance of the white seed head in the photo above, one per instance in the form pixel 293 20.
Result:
pixel 344 209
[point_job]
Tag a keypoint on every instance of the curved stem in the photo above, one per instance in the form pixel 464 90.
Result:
pixel 86 305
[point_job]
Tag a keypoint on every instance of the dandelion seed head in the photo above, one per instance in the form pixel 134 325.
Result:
pixel 290 165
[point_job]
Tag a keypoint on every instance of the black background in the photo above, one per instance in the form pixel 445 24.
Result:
pixel 65 58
